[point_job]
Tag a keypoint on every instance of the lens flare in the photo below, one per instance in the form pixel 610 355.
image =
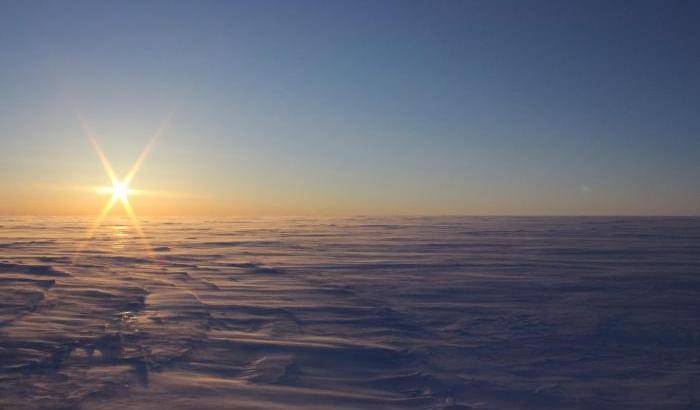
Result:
pixel 120 190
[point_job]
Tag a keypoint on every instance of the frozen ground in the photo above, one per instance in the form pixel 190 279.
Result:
pixel 424 313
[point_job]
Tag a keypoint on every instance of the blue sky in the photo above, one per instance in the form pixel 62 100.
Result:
pixel 472 107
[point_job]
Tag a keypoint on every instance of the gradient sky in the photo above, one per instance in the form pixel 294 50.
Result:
pixel 355 107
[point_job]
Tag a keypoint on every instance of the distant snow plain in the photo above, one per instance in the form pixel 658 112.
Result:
pixel 351 313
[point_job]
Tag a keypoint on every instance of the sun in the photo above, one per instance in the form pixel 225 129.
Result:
pixel 121 191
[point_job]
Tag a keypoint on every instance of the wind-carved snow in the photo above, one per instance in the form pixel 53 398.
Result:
pixel 425 313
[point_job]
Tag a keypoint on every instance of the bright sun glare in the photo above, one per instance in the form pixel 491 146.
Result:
pixel 120 190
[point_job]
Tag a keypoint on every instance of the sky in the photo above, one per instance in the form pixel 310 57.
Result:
pixel 353 107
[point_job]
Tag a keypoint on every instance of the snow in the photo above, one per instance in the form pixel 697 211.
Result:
pixel 425 313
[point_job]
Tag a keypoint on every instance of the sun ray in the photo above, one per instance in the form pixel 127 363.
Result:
pixel 100 154
pixel 105 210
pixel 137 226
pixel 146 150
pixel 98 222
pixel 105 162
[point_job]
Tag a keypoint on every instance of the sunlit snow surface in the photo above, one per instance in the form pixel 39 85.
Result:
pixel 425 313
